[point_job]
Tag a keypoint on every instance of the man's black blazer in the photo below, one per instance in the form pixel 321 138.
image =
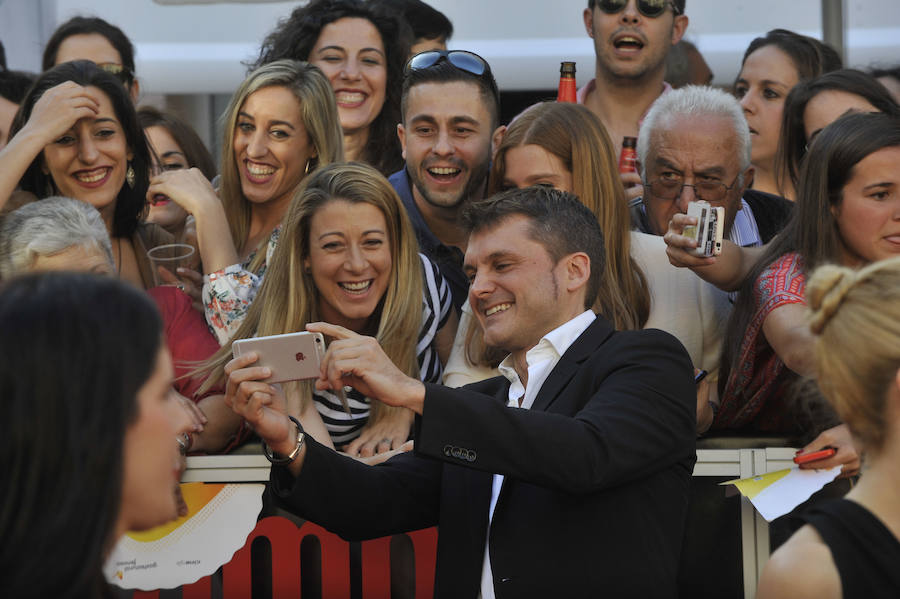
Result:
pixel 597 476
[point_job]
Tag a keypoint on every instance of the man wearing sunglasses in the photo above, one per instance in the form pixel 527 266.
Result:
pixel 631 41
pixel 450 108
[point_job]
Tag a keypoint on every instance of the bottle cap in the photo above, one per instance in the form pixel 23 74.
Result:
pixel 567 68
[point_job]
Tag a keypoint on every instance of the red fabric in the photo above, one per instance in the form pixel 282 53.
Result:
pixel 187 336
pixel 754 394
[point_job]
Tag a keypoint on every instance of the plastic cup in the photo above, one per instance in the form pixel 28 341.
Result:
pixel 171 256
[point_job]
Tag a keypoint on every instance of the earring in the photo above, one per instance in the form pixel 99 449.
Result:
pixel 50 190
pixel 129 176
pixel 306 172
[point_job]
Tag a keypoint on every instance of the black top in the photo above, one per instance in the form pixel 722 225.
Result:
pixel 449 259
pixel 770 211
pixel 866 553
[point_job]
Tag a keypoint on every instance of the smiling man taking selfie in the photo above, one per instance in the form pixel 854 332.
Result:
pixel 568 476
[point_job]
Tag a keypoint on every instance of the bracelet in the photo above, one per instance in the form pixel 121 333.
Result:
pixel 291 456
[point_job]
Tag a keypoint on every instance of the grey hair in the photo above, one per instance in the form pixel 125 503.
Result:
pixel 695 101
pixel 46 227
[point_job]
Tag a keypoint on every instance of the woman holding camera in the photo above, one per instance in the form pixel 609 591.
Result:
pixel 848 213
pixel 349 257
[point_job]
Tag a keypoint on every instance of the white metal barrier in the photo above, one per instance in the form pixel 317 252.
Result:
pixel 250 466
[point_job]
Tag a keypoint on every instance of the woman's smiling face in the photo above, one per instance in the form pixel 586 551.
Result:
pixel 351 53
pixel 89 161
pixel 271 145
pixel 349 261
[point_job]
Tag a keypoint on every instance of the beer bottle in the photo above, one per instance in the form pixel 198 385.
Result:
pixel 566 91
pixel 628 157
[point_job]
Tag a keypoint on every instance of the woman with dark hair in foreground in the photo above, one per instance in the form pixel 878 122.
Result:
pixel 88 447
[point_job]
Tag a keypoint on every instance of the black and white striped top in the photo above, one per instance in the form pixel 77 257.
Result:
pixel 436 307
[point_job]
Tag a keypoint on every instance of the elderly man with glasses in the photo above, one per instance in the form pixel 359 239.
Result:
pixel 694 144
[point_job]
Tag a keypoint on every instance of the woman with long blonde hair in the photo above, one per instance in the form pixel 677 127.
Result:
pixel 282 124
pixel 348 256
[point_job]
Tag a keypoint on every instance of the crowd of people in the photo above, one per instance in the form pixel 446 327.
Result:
pixel 517 330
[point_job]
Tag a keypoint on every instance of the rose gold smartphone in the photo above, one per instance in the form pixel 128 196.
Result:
pixel 292 357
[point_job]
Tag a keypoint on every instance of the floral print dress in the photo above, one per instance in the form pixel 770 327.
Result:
pixel 228 293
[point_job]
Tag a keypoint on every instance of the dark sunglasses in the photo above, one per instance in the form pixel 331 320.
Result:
pixel 461 59
pixel 648 8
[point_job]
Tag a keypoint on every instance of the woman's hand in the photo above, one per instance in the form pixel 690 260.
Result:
pixel 385 456
pixel 390 432
pixel 847 455
pixel 726 271
pixel 197 419
pixel 260 404
pixel 54 113
pixel 679 247
pixel 59 109
pixel 187 280
pixel 188 188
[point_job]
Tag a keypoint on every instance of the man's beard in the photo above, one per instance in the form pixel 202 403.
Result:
pixel 475 183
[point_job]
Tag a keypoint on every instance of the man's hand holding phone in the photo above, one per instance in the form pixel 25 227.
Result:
pixel 360 362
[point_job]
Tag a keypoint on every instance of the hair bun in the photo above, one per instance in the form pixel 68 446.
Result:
pixel 825 292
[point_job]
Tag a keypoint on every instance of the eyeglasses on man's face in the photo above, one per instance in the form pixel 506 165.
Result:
pixel 670 188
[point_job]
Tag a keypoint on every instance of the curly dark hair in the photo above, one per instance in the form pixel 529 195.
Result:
pixel 295 37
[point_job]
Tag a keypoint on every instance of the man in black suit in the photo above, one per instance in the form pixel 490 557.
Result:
pixel 568 476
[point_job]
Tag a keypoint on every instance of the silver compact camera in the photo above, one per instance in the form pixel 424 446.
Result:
pixel 708 231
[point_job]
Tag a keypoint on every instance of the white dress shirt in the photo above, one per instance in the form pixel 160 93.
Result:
pixel 541 360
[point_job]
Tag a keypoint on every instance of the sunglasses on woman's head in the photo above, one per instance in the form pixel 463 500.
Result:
pixel 117 71
pixel 648 8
